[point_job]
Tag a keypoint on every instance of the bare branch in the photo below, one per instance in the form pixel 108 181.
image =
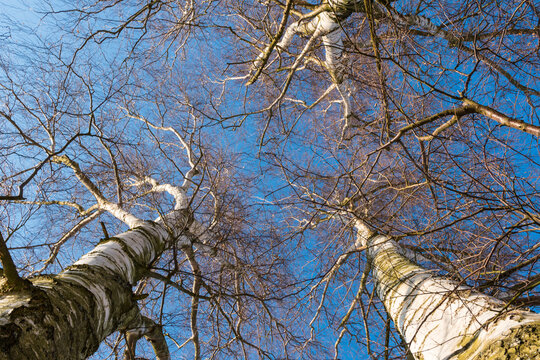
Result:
pixel 144 326
pixel 103 203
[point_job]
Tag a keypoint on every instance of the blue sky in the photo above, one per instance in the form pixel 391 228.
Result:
pixel 299 137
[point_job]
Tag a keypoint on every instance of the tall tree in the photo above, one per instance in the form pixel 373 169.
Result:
pixel 440 318
pixel 408 157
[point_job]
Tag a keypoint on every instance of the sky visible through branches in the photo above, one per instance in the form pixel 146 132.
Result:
pixel 284 121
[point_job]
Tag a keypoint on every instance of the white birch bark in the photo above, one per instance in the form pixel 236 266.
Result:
pixel 442 319
pixel 66 316
pixel 325 24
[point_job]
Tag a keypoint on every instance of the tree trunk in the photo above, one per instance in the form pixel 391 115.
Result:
pixel 441 319
pixel 66 316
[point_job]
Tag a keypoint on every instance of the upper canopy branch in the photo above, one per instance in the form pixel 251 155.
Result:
pixel 114 209
pixel 325 21
pixel 185 144
pixel 320 22
pixel 37 168
pixel 261 61
pixel 178 192
pixel 193 161
pixel 468 107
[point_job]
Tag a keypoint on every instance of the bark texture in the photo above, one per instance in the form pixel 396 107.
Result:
pixel 442 319
pixel 66 316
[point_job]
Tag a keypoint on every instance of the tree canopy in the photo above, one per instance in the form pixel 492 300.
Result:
pixel 272 128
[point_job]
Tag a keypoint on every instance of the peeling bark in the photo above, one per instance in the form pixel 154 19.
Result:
pixel 66 316
pixel 442 319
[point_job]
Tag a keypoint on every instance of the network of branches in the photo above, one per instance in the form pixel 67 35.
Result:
pixel 279 121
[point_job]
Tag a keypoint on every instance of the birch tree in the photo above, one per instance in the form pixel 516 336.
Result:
pixel 89 152
pixel 442 319
pixel 393 167
pixel 68 315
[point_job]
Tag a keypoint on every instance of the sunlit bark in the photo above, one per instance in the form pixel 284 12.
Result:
pixel 66 316
pixel 443 319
